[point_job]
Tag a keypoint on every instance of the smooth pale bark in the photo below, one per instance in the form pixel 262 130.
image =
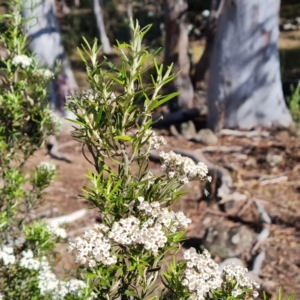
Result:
pixel 46 42
pixel 176 51
pixel 129 9
pixel 129 14
pixel 106 48
pixel 244 83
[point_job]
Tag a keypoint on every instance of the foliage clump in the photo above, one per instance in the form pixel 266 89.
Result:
pixel 294 103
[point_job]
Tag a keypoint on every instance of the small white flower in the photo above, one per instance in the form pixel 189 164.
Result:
pixel 45 73
pixel 27 254
pixel 57 231
pixel 141 199
pixel 183 168
pixel 153 139
pixel 206 13
pixel 7 255
pixel 47 166
pixel 28 261
pixel 22 60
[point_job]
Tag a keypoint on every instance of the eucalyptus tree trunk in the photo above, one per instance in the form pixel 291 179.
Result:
pixel 101 28
pixel 129 9
pixel 129 13
pixel 244 83
pixel 200 79
pixel 46 42
pixel 176 51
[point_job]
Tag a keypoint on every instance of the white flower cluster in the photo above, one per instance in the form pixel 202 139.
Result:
pixel 57 231
pixel 237 273
pixel 96 244
pixel 128 232
pixel 93 96
pixel 22 60
pixel 1 297
pixel 46 166
pixel 183 168
pixel 164 217
pixel 201 275
pixel 7 255
pixel 45 74
pixel 153 139
pixel 28 262
pixel 47 281
pixel 93 247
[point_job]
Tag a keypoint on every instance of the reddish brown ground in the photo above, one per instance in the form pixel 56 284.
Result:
pixel 281 200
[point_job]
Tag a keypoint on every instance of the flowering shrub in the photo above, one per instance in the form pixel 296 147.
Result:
pixel 26 243
pixel 123 257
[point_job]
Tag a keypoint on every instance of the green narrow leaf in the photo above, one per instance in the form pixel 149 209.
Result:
pixel 123 137
pixel 115 188
pixel 114 78
pixel 81 55
pixel 164 100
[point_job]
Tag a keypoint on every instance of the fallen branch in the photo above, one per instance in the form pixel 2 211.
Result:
pixel 223 149
pixel 274 180
pixel 247 134
pixel 53 150
pixel 266 220
pixel 258 261
pixel 263 214
pixel 235 197
pixel 66 218
pixel 265 177
pixel 264 234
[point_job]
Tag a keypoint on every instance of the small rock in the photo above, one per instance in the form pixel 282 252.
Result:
pixel 188 129
pixel 251 162
pixel 289 27
pixel 174 131
pixel 185 129
pixel 232 260
pixel 206 136
pixel 274 159
pixel 228 240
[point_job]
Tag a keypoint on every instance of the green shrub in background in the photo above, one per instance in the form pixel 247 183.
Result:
pixel 294 103
pixel 26 243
